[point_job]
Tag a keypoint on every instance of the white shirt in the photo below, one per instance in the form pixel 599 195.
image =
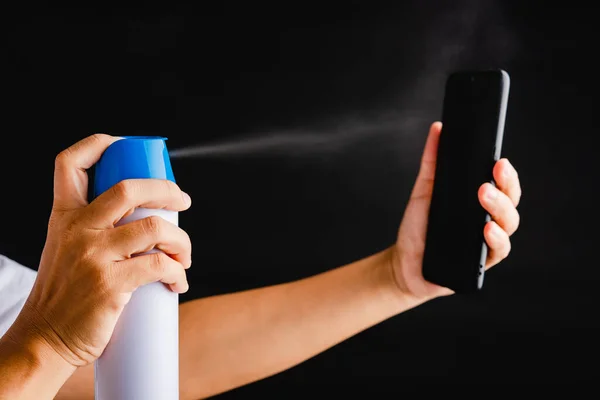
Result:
pixel 16 282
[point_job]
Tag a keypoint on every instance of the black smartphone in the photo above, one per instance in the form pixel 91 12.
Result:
pixel 473 116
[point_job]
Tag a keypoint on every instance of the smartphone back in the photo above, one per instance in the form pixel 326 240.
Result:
pixel 474 110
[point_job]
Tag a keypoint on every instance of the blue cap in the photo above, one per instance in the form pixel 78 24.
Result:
pixel 133 157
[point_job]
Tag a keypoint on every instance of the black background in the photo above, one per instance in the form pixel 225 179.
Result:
pixel 202 74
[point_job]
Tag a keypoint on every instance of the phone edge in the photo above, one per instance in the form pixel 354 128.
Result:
pixel 497 153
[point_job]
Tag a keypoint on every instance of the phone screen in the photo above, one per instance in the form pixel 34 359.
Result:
pixel 469 145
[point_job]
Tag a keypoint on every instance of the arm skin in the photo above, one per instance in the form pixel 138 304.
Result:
pixel 30 368
pixel 231 340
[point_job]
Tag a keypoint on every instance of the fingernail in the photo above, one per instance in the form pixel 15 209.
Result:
pixel 187 199
pixel 491 193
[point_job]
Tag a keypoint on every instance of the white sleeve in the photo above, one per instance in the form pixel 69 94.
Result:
pixel 16 282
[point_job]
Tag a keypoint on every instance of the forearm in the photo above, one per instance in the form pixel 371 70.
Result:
pixel 230 340
pixel 29 368
pixel 234 339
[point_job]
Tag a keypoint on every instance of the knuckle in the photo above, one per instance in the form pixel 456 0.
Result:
pixel 152 225
pixel 62 158
pixel 89 252
pixel 171 188
pixel 124 190
pixel 71 232
pixel 96 137
pixel 99 274
pixel 101 277
pixel 73 225
pixel 61 223
pixel 158 263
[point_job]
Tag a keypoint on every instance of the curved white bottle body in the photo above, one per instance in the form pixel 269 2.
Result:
pixel 141 360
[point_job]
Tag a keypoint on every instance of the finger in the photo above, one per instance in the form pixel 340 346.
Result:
pixel 70 176
pixel 150 233
pixel 121 199
pixel 498 243
pixel 144 269
pixel 424 184
pixel 500 207
pixel 507 180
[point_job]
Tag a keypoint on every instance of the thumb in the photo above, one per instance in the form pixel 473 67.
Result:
pixel 70 175
pixel 424 184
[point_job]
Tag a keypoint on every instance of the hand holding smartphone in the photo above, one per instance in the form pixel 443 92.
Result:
pixel 474 111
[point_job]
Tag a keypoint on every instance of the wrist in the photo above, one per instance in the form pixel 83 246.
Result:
pixel 379 278
pixel 30 367
pixel 398 282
